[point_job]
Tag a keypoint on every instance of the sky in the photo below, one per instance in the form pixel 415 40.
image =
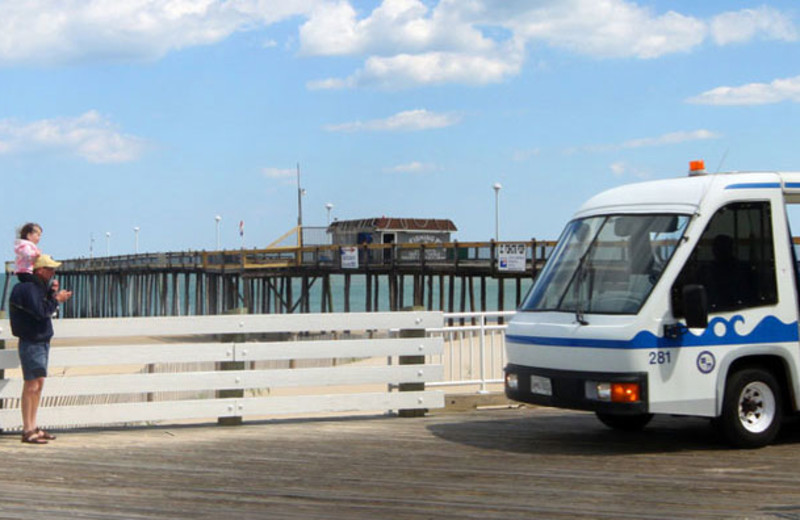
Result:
pixel 163 114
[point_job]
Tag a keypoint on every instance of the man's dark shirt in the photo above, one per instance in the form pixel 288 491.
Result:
pixel 31 307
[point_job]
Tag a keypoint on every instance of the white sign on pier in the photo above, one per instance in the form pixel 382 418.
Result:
pixel 511 257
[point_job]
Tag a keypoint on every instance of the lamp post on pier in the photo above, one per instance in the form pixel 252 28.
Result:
pixel 217 219
pixel 497 187
pixel 136 240
pixel 108 243
pixel 329 207
pixel 300 193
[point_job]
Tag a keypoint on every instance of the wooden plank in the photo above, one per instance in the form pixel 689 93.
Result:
pixel 9 359
pixel 135 354
pixel 121 413
pixel 303 404
pixel 238 324
pixel 127 413
pixel 230 380
pixel 357 348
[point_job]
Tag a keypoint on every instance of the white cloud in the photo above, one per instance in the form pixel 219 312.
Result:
pixel 779 90
pixel 403 43
pixel 524 155
pixel 671 138
pixel 58 31
pixel 623 169
pixel 280 173
pixel 435 68
pixel 89 136
pixel 608 28
pixel 667 139
pixel 747 24
pixel 395 26
pixel 414 167
pixel 408 121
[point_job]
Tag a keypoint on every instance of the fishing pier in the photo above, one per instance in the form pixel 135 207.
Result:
pixel 448 277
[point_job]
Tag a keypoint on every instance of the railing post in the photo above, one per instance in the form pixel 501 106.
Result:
pixel 412 360
pixel 225 366
pixel 2 371
pixel 482 343
pixel 493 258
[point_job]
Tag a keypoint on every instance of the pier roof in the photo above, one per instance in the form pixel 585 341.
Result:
pixel 394 224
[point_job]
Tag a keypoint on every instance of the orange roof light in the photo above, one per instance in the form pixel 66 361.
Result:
pixel 697 167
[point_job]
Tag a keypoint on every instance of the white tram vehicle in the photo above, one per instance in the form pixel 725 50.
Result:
pixel 671 297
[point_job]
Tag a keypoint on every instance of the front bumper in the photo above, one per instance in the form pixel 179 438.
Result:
pixel 575 390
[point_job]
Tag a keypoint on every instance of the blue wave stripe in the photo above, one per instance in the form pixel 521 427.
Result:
pixel 752 185
pixel 769 330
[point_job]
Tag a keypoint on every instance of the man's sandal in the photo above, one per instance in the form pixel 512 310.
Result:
pixel 33 437
pixel 45 435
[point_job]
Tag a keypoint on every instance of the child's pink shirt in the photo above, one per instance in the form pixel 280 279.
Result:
pixel 27 253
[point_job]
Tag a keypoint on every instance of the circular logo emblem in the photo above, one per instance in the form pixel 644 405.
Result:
pixel 706 362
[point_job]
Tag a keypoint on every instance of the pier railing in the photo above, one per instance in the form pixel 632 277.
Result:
pixel 451 277
pixel 474 353
pixel 230 367
pixel 333 257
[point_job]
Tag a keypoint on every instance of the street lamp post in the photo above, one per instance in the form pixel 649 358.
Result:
pixel 300 193
pixel 329 207
pixel 497 187
pixel 108 243
pixel 217 219
pixel 136 240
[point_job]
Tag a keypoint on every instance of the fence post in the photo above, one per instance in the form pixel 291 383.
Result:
pixel 224 366
pixel 482 344
pixel 2 371
pixel 412 360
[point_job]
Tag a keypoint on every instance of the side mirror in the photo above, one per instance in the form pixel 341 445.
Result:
pixel 695 306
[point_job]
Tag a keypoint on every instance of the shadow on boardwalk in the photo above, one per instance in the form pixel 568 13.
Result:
pixel 500 463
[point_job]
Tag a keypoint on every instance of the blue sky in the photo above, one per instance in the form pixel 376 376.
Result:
pixel 162 114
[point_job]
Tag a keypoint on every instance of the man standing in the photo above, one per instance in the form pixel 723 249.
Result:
pixel 31 308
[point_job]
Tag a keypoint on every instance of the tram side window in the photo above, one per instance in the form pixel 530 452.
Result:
pixel 734 260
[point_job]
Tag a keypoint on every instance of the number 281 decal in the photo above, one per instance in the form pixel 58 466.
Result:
pixel 660 357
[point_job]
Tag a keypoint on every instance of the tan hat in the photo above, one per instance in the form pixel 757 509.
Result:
pixel 45 261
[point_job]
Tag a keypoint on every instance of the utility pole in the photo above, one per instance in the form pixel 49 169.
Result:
pixel 299 209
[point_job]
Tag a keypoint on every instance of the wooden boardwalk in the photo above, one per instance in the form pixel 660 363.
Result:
pixel 500 463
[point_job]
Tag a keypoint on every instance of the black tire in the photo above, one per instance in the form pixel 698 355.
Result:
pixel 752 410
pixel 628 423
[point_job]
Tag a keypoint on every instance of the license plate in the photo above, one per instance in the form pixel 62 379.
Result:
pixel 541 385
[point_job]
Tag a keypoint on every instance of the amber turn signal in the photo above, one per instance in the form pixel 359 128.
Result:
pixel 625 392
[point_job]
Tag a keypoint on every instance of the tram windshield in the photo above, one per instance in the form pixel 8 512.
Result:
pixel 606 264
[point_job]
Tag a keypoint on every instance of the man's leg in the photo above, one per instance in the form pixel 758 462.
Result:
pixel 31 394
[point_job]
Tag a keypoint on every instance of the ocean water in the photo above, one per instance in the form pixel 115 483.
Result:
pixel 358 292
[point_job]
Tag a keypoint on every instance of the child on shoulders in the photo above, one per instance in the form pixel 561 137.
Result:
pixel 27 250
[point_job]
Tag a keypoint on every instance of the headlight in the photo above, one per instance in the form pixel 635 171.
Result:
pixel 512 382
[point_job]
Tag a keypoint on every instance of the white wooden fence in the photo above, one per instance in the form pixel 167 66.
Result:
pixel 364 361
